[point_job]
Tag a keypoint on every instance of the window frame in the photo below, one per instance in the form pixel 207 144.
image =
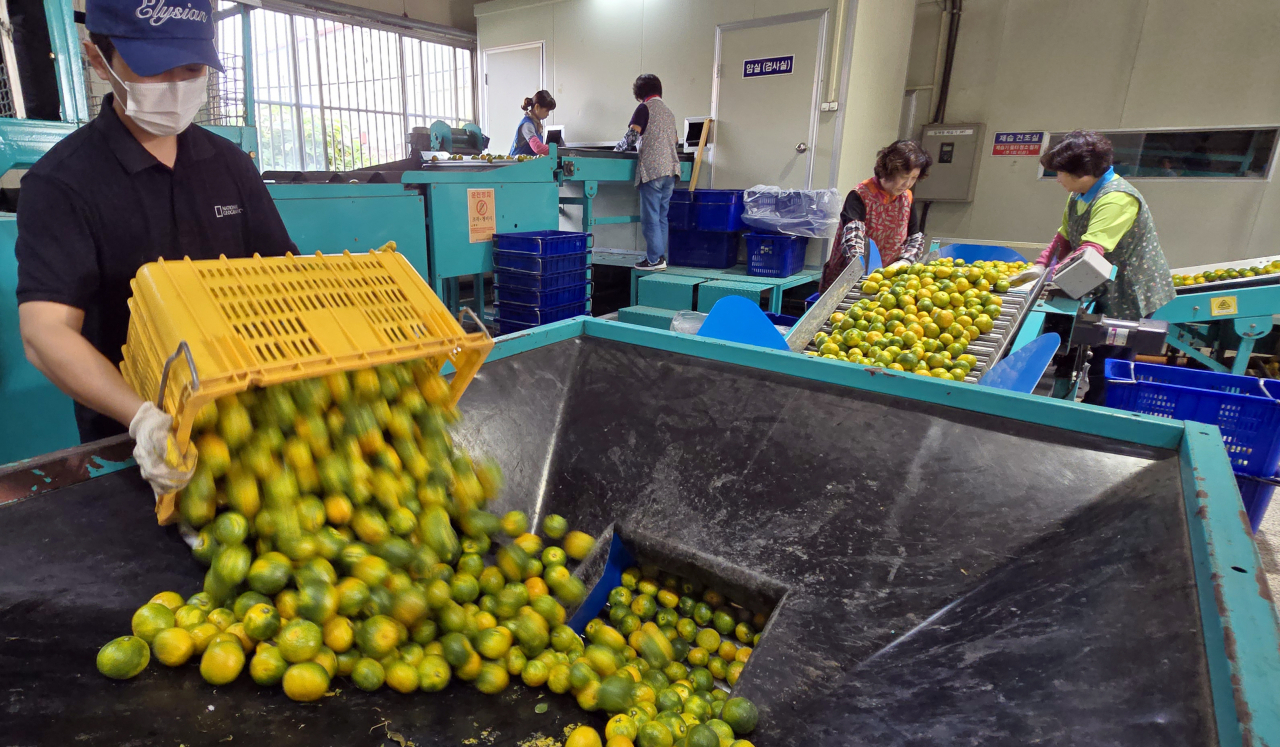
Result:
pixel 1272 164
pixel 412 109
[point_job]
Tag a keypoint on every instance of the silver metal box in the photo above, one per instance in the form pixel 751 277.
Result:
pixel 955 149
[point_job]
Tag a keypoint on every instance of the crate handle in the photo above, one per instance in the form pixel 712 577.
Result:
pixel 1123 368
pixel 164 375
pixel 1273 481
pixel 468 311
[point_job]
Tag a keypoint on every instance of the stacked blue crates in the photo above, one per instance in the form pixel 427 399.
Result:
pixel 704 228
pixel 1246 411
pixel 539 277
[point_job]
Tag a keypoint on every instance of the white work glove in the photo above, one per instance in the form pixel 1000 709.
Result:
pixel 189 535
pixel 1029 275
pixel 156 451
pixel 901 264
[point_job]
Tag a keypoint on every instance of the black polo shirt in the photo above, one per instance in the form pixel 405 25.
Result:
pixel 98 206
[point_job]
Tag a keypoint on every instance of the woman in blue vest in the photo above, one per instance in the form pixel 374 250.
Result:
pixel 1107 215
pixel 529 140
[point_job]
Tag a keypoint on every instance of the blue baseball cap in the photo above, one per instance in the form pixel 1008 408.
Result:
pixel 156 35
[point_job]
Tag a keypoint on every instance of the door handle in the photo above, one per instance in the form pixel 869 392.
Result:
pixel 801 148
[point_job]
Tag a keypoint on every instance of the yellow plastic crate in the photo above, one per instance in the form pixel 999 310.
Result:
pixel 267 320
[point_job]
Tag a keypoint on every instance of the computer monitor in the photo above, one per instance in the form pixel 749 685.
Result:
pixel 693 132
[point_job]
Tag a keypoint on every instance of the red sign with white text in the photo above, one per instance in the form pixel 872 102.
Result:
pixel 1017 144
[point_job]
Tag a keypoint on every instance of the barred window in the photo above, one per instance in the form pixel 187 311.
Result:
pixel 1241 153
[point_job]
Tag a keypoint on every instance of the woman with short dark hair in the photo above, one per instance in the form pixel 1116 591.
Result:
pixel 1105 214
pixel 529 140
pixel 881 209
pixel 652 132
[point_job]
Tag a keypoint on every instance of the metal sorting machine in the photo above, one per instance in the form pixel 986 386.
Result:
pixel 989 348
pixel 449 199
pixel 1070 575
pixel 1222 316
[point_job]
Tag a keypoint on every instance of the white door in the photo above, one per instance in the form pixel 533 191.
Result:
pixel 766 101
pixel 511 74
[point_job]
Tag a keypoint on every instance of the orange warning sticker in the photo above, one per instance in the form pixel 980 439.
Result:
pixel 481 215
pixel 1222 306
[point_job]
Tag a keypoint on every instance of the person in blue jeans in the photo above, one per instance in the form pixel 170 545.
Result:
pixel 652 133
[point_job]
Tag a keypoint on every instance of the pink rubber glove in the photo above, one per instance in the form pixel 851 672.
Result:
pixel 1083 247
pixel 1056 248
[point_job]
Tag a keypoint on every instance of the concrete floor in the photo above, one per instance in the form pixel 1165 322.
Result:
pixel 1268 541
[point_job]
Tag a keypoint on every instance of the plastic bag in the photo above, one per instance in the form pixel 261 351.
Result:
pixel 687 322
pixel 799 212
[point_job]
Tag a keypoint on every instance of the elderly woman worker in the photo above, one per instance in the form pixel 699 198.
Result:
pixel 1105 214
pixel 880 209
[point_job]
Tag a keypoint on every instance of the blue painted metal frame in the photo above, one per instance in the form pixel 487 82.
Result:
pixel 590 172
pixel 1241 631
pixel 65 41
pixel 1189 312
pixel 525 199
pixel 1236 612
pixel 38 417
pixel 358 217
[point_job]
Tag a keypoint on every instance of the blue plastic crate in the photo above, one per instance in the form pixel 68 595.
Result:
pixel 541 243
pixel 547 299
pixel 1256 496
pixel 1245 409
pixel 514 312
pixel 775 255
pixel 710 249
pixel 540 282
pixel 529 263
pixel 718 210
pixel 680 211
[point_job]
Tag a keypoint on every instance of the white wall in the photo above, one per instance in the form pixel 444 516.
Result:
pixel 878 68
pixel 1059 65
pixel 596 48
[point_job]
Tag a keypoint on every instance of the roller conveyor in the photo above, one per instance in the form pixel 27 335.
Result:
pixel 1231 283
pixel 988 348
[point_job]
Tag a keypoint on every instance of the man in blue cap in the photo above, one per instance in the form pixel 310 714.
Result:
pixel 136 184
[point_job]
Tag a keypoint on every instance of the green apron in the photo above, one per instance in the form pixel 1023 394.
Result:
pixel 1142 283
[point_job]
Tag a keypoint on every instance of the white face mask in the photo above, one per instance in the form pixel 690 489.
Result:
pixel 163 109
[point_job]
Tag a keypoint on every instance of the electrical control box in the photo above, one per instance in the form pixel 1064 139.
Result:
pixel 1082 273
pixel 955 149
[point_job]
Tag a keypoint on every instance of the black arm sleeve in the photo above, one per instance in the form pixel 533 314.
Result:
pixel 57 258
pixel 913 222
pixel 267 236
pixel 854 209
pixel 641 118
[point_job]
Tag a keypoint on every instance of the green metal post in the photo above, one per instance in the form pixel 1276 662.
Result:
pixel 589 192
pixel 1240 627
pixel 1250 329
pixel 246 46
pixel 65 41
